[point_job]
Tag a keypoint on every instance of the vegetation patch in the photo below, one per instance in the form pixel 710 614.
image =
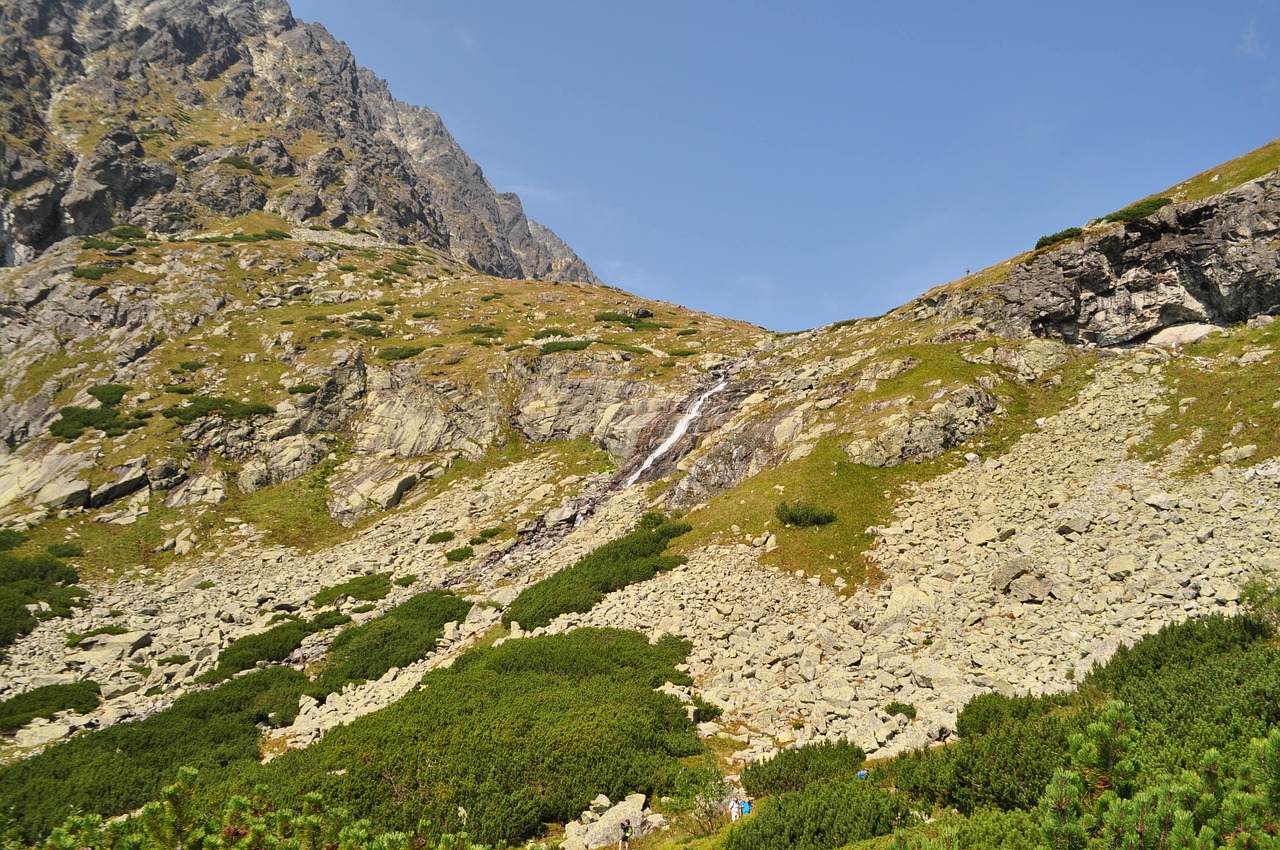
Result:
pixel 400 352
pixel 802 515
pixel 46 701
pixel 793 770
pixel 368 588
pixel 303 389
pixel 518 736
pixel 564 345
pixel 405 634
pixel 462 553
pixel 74 421
pixel 74 639
pixel 201 406
pixel 30 580
pixel 441 536
pixel 634 557
pixel 1060 236
pixel 1141 209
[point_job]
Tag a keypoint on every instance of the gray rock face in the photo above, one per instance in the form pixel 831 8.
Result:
pixel 395 165
pixel 1207 261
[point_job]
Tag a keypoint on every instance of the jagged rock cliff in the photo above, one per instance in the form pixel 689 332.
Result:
pixel 177 114
pixel 1210 260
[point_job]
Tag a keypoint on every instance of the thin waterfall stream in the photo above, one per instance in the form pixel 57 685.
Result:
pixel 676 433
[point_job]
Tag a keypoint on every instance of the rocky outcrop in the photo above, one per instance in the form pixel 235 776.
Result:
pixel 1203 261
pixel 390 165
pixel 951 420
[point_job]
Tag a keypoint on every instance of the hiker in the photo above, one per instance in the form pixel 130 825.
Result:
pixel 746 806
pixel 735 809
pixel 624 840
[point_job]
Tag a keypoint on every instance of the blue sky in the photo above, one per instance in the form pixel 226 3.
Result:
pixel 797 166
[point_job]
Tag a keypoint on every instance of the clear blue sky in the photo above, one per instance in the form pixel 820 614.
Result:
pixel 796 164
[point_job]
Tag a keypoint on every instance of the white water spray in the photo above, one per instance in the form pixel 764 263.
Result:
pixel 674 437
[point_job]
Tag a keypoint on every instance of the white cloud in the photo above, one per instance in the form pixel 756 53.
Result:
pixel 1251 46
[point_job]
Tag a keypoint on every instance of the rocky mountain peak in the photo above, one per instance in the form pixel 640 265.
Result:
pixel 238 109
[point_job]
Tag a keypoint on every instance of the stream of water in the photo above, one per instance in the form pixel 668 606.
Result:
pixel 676 433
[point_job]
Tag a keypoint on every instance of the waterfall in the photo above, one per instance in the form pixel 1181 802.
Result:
pixel 676 433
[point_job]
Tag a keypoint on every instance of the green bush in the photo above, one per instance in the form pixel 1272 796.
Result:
pixel 28 580
pixel 794 770
pixel 442 537
pixel 10 539
pixel 46 701
pixel 191 365
pixel 368 588
pixel 627 319
pixel 117 769
pixel 821 817
pixel 108 395
pixel 488 331
pixel 127 231
pixel 423 314
pixel 303 389
pixel 92 272
pixel 405 581
pixel 546 333
pixel 74 639
pixel 987 712
pixel 1060 236
pixel 400 352
pixel 485 536
pixel 405 634
pixel 634 557
pixel 682 352
pixel 803 515
pixel 330 334
pixel 1141 209
pixel 369 317
pixel 462 553
pixel 687 332
pixel 905 709
pixel 275 644
pixel 93 243
pixel 519 735
pixel 369 331
pixel 74 421
pixel 565 345
pixel 227 408
pixel 65 550
pixel 241 162
pixel 179 389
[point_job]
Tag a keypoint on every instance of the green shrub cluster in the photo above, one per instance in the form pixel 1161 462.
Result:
pixel 117 769
pixel 485 535
pixel 794 770
pixel 94 243
pixel 46 701
pixel 201 406
pixel 441 536
pixel 1060 236
pixel 65 550
pixel 462 553
pixel 369 331
pixel 488 331
pixel 74 639
pixel 92 272
pixel 393 353
pixel 369 317
pixel 904 709
pixel 303 389
pixel 402 636
pixel 275 644
pixel 803 515
pixel 74 421
pixel 30 579
pixel 241 162
pixel 178 822
pixel 632 322
pixel 821 817
pixel 1141 209
pixel 564 345
pixel 518 736
pixel 368 588
pixel 634 557
pixel 127 231
pixel 191 365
